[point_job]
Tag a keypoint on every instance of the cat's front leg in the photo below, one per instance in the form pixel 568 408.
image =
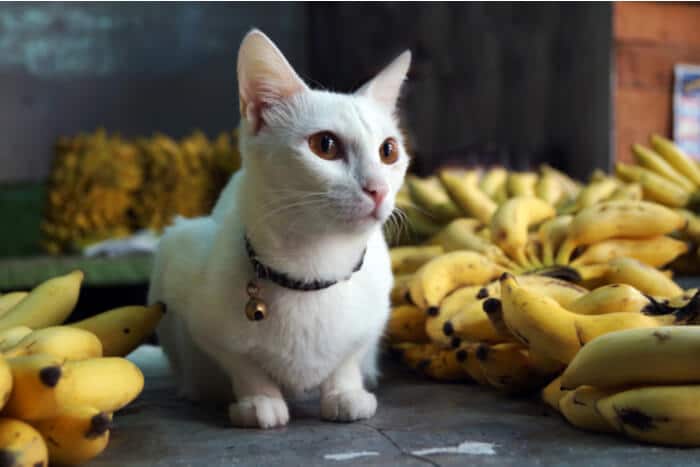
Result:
pixel 259 402
pixel 343 396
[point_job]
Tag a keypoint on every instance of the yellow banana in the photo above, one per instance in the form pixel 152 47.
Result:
pixel 123 329
pixel 533 250
pixel 646 279
pixel 62 342
pixel 512 220
pixel 579 409
pixel 406 324
pixel 417 220
pixel 47 305
pixel 662 355
pixel 466 357
pixel 692 229
pixel 571 186
pixel 549 189
pixel 399 292
pixel 407 259
pixel 656 414
pixel 460 234
pixel 521 183
pixel 655 251
pixel 596 192
pixel 446 273
pixel 552 233
pixel 439 328
pixel 8 300
pixel 492 181
pixel 430 195
pixel 76 435
pixel 655 187
pixel 554 332
pixel 627 192
pixel 468 196
pixel 630 219
pixel 676 158
pixel 552 394
pixel 507 367
pixel 431 361
pixel 21 445
pixel 654 162
pixel 43 386
pixel 614 298
pixel 11 336
pixel 471 324
pixel 5 382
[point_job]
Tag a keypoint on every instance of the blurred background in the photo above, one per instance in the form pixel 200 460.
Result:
pixel 571 85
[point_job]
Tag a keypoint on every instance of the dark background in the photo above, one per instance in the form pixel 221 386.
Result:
pixel 496 83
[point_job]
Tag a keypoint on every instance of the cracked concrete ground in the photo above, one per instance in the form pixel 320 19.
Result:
pixel 418 423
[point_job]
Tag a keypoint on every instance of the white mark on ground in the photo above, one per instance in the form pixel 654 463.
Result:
pixel 475 448
pixel 344 456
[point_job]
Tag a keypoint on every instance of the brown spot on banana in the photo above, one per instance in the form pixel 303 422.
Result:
pixel 7 458
pixel 636 419
pixel 98 425
pixel 661 336
pixel 50 375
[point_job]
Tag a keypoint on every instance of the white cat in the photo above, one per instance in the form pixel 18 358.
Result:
pixel 319 177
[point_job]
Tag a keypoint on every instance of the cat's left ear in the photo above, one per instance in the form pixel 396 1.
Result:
pixel 386 86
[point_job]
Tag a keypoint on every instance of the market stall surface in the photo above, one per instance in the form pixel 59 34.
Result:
pixel 418 423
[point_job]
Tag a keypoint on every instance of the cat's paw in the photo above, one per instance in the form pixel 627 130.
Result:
pixel 348 406
pixel 259 412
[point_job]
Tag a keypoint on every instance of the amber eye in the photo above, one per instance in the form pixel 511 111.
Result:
pixel 389 151
pixel 325 145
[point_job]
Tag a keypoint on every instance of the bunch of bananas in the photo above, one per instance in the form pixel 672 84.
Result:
pixel 104 186
pixel 60 384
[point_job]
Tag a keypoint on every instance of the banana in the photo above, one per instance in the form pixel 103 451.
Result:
pixel 123 329
pixel 439 328
pixel 62 342
pixel 655 414
pixel 655 251
pixel 521 184
pixel 615 298
pixel 43 386
pixel 466 357
pixel 407 259
pixel 5 382
pixel 507 367
pixel 76 435
pixel 552 394
pixel 662 355
pixel 471 324
pixel 47 305
pixel 676 158
pixel 512 220
pixel 21 445
pixel 446 273
pixel 627 192
pixel 692 229
pixel 533 250
pixel 468 196
pixel 549 189
pixel 430 195
pixel 460 234
pixel 11 336
pixel 547 328
pixel 431 361
pixel 8 300
pixel 646 279
pixel 596 192
pixel 654 162
pixel 579 409
pixel 571 186
pixel 406 324
pixel 655 187
pixel 419 223
pixel 630 219
pixel 492 181
pixel 552 233
pixel 399 292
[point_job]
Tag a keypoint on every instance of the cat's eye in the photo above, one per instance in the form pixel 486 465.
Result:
pixel 325 145
pixel 389 151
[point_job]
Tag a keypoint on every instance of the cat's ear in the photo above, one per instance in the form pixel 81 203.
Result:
pixel 264 77
pixel 386 86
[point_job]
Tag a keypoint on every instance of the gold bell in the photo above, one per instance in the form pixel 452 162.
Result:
pixel 256 308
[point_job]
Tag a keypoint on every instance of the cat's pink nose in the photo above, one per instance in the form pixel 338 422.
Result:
pixel 377 193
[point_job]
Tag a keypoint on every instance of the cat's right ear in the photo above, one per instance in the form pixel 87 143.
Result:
pixel 264 77
pixel 386 86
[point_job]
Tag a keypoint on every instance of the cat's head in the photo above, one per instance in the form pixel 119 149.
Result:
pixel 322 160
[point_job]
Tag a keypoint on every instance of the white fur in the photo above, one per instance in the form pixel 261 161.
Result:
pixel 305 216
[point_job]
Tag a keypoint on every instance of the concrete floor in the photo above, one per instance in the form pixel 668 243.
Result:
pixel 418 423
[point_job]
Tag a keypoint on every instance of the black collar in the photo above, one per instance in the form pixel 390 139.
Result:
pixel 282 279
